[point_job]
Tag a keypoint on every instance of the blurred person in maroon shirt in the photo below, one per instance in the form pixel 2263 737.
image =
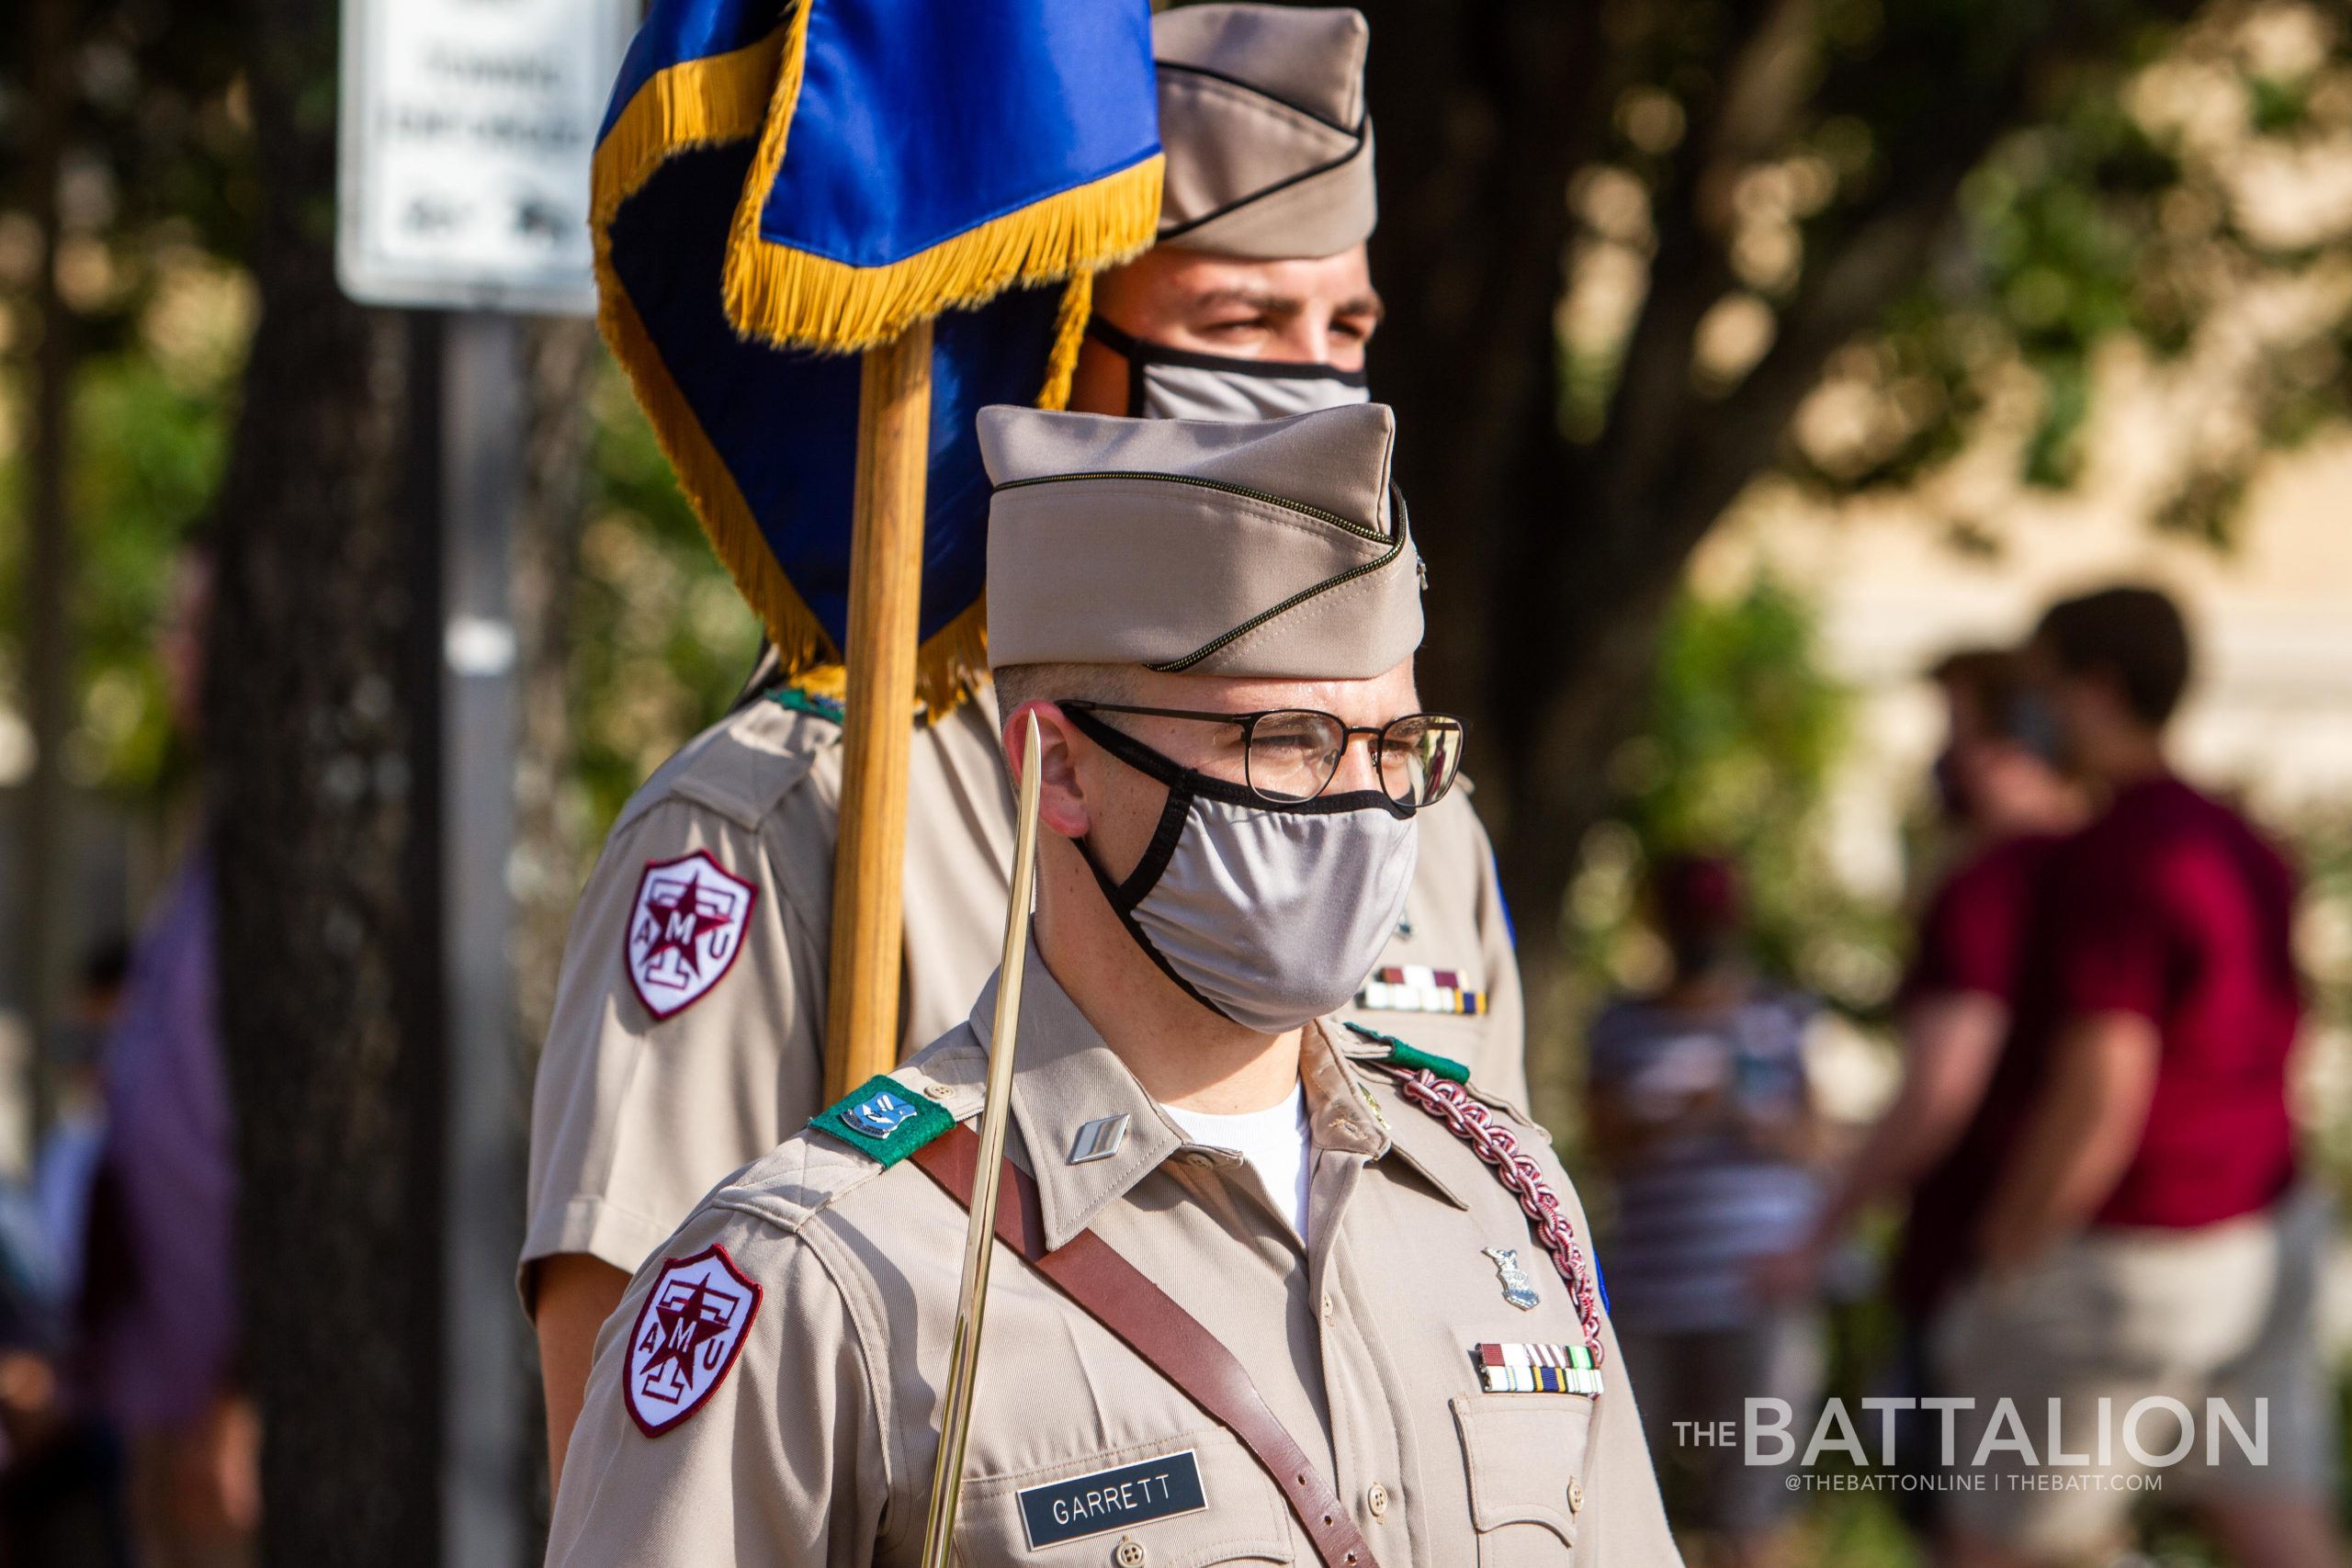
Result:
pixel 2005 803
pixel 2008 804
pixel 2143 1236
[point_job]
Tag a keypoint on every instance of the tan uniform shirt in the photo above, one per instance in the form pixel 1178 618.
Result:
pixel 815 1444
pixel 637 1114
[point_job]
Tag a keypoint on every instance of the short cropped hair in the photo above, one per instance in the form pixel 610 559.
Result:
pixel 1019 684
pixel 2134 635
pixel 1993 679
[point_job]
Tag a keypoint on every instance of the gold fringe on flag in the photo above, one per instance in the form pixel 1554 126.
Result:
pixel 699 103
pixel 794 298
pixel 802 300
pixel 725 517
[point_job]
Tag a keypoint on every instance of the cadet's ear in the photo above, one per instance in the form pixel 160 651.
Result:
pixel 1061 795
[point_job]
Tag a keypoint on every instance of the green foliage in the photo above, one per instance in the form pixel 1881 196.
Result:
pixel 1743 730
pixel 149 443
pixel 660 640
pixel 2132 214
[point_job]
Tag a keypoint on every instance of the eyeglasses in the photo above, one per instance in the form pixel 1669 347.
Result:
pixel 1289 755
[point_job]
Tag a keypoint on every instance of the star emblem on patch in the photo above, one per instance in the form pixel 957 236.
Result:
pixel 685 931
pixel 686 1337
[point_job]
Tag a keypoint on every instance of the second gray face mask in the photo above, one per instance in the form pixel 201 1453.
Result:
pixel 1267 915
pixel 1174 383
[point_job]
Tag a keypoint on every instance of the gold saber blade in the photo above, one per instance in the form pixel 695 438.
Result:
pixel 971 1300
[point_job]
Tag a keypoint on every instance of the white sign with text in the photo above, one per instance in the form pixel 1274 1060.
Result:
pixel 467 129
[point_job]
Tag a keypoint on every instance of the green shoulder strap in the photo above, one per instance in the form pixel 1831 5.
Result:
pixel 884 1118
pixel 1411 1058
pixel 798 701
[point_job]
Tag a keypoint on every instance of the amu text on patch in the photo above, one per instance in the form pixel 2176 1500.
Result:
pixel 1113 1499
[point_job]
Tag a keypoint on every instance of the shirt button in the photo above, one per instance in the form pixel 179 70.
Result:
pixel 1129 1554
pixel 936 1091
pixel 1375 1498
pixel 1576 1495
pixel 1327 1308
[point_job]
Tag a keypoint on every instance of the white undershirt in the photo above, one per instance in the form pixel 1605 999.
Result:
pixel 1273 1140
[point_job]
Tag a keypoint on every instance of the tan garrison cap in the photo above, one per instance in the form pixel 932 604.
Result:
pixel 1263 118
pixel 1274 549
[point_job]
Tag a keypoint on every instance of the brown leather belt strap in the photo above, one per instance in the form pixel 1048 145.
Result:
pixel 1115 1293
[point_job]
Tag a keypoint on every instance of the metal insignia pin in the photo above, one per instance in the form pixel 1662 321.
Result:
pixel 1099 1139
pixel 879 1116
pixel 1517 1289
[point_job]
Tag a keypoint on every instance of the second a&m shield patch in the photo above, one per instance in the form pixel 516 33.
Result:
pixel 686 1337
pixel 685 930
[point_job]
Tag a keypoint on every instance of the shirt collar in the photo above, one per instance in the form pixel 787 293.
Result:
pixel 1067 1078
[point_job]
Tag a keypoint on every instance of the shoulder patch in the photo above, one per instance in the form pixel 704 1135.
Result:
pixel 686 1337
pixel 1411 1058
pixel 884 1118
pixel 800 700
pixel 685 931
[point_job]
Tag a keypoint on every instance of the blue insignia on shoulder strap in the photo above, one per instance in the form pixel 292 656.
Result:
pixel 800 701
pixel 884 1118
pixel 1413 1057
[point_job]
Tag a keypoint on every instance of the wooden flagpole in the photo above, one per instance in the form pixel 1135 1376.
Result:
pixel 885 592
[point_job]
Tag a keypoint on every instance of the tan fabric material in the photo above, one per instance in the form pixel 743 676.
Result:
pixel 633 1120
pixel 817 1448
pixel 1455 922
pixel 2224 1311
pixel 1262 116
pixel 1265 550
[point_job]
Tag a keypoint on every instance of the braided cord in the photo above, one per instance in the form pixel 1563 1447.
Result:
pixel 1494 1144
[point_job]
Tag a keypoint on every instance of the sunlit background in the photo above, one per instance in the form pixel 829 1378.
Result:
pixel 2131 358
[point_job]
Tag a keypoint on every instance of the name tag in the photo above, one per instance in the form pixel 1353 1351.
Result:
pixel 1113 1499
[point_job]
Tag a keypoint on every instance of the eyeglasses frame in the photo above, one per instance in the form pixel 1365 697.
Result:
pixel 1251 720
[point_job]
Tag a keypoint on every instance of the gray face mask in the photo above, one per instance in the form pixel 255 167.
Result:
pixel 1175 383
pixel 1267 915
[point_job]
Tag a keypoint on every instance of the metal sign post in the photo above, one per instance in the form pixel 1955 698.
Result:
pixel 466 134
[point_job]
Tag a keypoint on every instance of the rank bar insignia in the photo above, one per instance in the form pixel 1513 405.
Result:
pixel 1536 1369
pixel 1413 987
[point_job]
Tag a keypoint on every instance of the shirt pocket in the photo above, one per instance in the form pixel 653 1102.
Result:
pixel 1190 1501
pixel 1524 1454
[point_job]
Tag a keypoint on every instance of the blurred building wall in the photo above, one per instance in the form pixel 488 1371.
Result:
pixel 2270 714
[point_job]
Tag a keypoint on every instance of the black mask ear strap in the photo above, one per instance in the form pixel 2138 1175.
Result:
pixel 1123 897
pixel 1112 337
pixel 1132 751
pixel 1181 784
pixel 1127 348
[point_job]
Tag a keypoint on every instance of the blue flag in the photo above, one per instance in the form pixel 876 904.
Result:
pixel 775 188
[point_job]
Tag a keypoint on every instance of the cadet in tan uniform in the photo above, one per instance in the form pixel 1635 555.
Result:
pixel 689 1015
pixel 1413 1372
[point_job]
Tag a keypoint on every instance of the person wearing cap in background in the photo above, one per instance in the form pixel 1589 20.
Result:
pixel 1214 626
pixel 1703 1118
pixel 665 1067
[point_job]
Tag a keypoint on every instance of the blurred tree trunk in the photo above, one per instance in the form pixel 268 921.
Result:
pixel 1552 562
pixel 560 361
pixel 560 358
pixel 323 713
pixel 47 624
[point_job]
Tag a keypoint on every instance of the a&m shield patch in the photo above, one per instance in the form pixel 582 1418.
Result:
pixel 686 1337
pixel 685 930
